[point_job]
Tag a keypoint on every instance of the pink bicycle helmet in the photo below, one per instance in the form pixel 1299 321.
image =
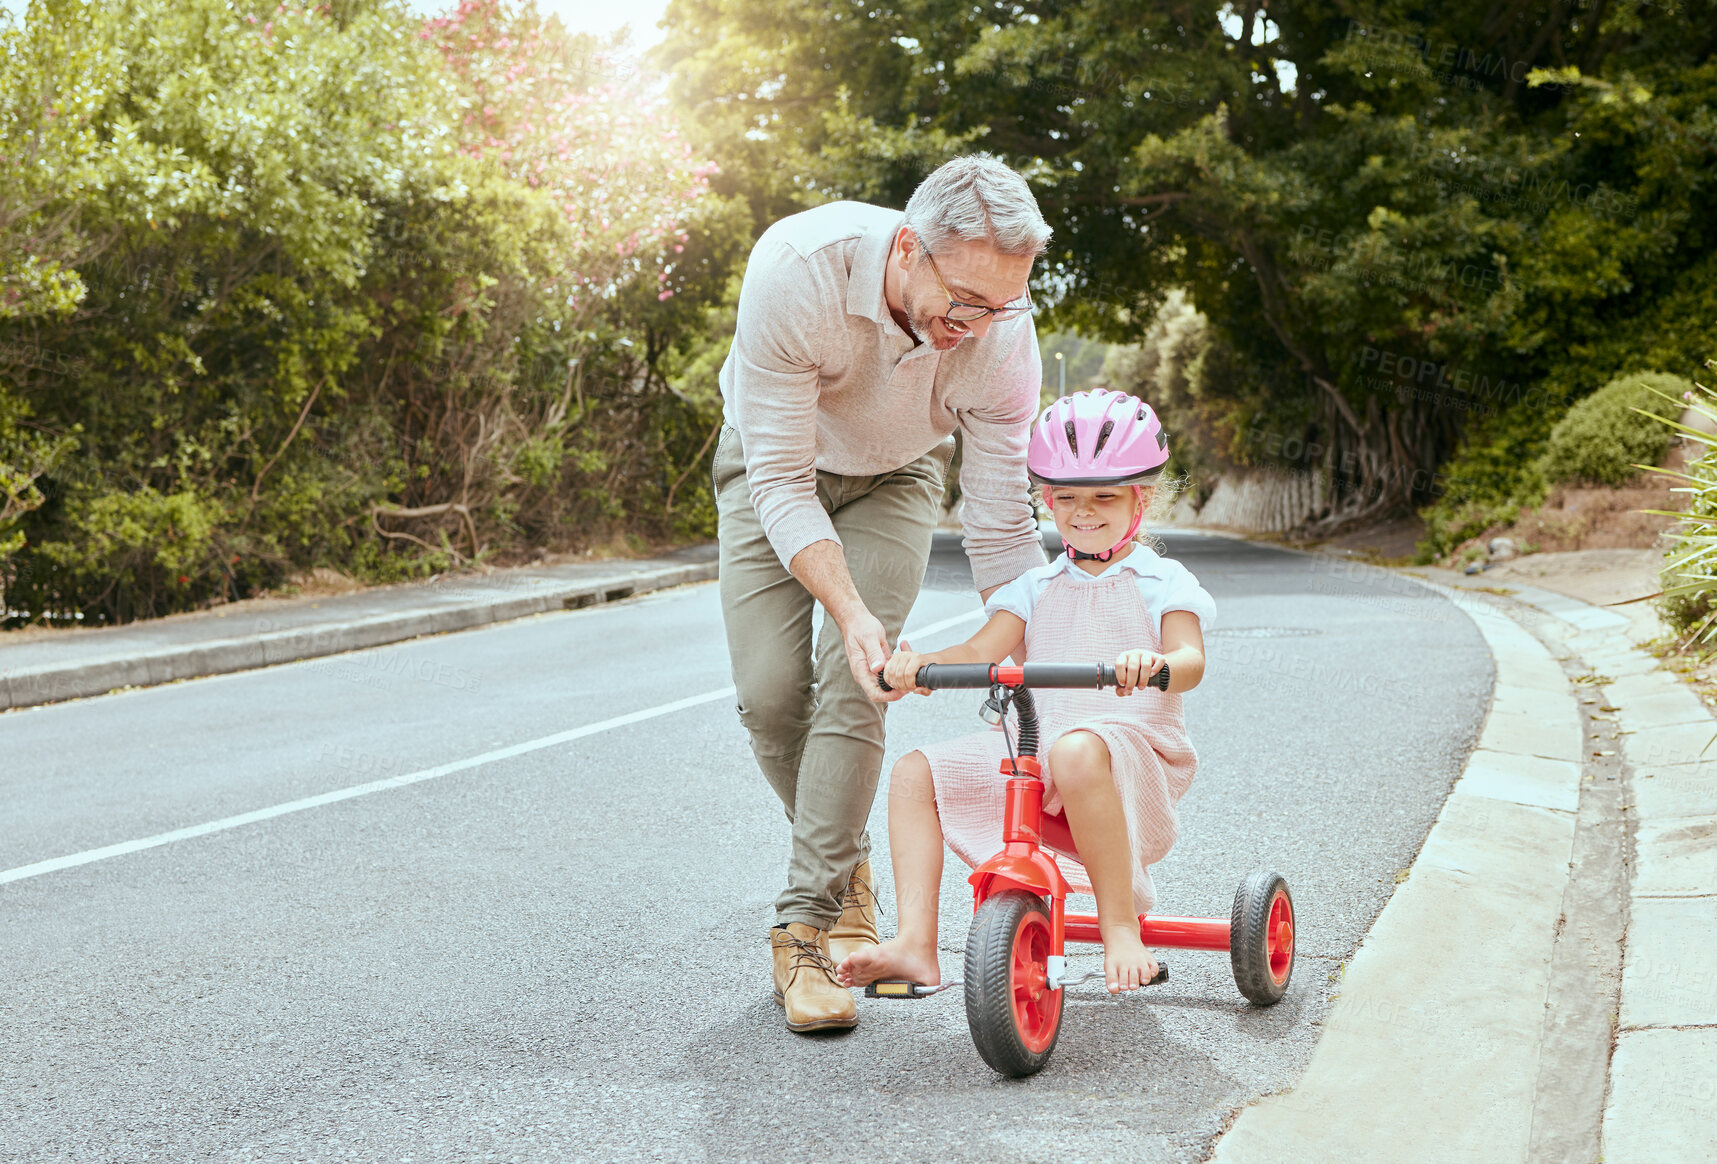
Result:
pixel 1099 438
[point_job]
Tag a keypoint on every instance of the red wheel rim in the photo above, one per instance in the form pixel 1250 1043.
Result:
pixel 1279 937
pixel 1035 1005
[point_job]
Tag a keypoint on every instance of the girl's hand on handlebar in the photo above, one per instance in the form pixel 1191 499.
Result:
pixel 902 669
pixel 1132 668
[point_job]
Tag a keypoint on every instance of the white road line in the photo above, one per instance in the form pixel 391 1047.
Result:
pixel 89 856
pixel 356 790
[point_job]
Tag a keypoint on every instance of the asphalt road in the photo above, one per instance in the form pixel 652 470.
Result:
pixel 561 954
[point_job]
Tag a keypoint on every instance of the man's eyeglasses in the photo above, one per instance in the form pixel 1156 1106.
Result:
pixel 970 312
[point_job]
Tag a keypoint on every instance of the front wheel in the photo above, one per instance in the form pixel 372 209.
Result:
pixel 1014 1016
pixel 1261 938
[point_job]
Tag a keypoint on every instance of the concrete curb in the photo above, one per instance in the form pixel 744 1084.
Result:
pixel 425 613
pixel 1431 1047
pixel 1439 1046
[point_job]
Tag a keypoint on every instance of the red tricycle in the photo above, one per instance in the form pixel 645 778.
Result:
pixel 1016 966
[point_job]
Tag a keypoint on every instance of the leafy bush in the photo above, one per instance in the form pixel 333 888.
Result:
pixel 284 287
pixel 24 457
pixel 1493 474
pixel 1603 437
pixel 1509 459
pixel 144 548
pixel 1689 575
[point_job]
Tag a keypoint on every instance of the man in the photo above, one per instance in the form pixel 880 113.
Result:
pixel 865 337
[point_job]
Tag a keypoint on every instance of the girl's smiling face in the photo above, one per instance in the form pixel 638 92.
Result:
pixel 1093 518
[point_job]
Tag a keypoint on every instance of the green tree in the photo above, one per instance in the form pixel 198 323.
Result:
pixel 1393 216
pixel 332 285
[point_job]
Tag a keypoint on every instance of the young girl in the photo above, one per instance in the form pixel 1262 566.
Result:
pixel 1114 768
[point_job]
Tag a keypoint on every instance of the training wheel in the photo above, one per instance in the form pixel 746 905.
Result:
pixel 1261 937
pixel 1014 1016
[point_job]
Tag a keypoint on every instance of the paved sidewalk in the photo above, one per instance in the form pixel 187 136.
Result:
pixel 75 663
pixel 1565 900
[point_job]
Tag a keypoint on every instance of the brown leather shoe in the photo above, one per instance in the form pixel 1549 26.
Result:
pixel 805 980
pixel 856 927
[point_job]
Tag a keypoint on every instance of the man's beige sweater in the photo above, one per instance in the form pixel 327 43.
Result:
pixel 820 377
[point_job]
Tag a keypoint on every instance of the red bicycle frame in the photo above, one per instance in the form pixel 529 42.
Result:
pixel 1025 863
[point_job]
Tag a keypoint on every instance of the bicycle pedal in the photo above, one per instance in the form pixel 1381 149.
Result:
pixel 1161 976
pixel 898 989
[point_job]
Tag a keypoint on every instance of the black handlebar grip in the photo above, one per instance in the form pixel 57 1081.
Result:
pixel 944 675
pixel 1160 680
pixel 1084 675
pixel 1064 674
pixel 882 683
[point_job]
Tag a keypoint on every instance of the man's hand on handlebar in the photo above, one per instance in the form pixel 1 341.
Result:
pixel 867 651
pixel 902 670
pixel 1132 668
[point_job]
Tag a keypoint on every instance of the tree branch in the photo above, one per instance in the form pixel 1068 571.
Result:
pixel 668 505
pixel 412 538
pixel 377 511
pixel 1272 306
pixel 256 489
pixel 1552 24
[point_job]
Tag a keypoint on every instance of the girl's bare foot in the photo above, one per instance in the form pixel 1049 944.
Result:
pixel 898 959
pixel 1127 965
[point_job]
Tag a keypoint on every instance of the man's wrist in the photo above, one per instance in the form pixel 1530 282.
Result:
pixel 846 611
pixel 822 569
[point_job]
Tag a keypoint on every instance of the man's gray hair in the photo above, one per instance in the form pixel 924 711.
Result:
pixel 977 198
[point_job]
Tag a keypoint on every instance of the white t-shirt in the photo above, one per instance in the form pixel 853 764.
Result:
pixel 1165 583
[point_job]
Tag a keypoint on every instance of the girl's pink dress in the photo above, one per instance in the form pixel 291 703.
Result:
pixel 1079 621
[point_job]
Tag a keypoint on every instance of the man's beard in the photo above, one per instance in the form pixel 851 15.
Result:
pixel 919 320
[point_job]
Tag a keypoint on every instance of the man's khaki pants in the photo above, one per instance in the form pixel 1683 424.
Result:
pixel 816 736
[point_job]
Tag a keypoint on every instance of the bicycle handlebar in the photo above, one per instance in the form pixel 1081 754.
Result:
pixel 1097 675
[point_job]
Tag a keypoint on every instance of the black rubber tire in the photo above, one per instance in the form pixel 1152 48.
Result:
pixel 1248 938
pixel 989 989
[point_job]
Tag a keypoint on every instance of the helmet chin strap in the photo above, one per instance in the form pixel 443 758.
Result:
pixel 1079 555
